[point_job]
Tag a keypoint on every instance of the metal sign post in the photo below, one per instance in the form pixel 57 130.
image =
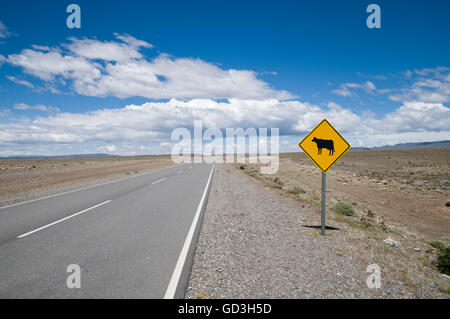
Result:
pixel 324 186
pixel 324 137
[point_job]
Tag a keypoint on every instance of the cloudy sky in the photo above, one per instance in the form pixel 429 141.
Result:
pixel 137 70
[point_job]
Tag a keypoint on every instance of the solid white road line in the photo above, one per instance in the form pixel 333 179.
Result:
pixel 84 188
pixel 170 292
pixel 159 180
pixel 63 219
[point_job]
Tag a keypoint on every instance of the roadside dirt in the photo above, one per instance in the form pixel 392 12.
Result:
pixel 260 241
pixel 22 176
pixel 405 187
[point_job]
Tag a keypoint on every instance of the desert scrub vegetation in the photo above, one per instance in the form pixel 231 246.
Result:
pixel 296 190
pixel 344 208
pixel 443 261
pixel 370 220
pixel 443 258
pixel 277 183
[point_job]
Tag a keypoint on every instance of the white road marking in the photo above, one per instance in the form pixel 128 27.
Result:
pixel 63 219
pixel 84 188
pixel 179 172
pixel 159 180
pixel 170 292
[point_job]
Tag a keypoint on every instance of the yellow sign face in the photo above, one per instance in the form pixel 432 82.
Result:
pixel 324 145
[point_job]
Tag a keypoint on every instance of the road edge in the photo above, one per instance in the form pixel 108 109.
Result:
pixel 177 288
pixel 91 186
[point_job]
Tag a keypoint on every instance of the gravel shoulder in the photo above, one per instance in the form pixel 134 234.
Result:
pixel 254 244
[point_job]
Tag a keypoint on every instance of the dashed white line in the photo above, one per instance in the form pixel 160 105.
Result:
pixel 92 186
pixel 159 180
pixel 179 172
pixel 63 219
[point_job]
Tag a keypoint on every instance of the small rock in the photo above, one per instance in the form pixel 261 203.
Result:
pixel 391 242
pixel 445 184
pixel 416 249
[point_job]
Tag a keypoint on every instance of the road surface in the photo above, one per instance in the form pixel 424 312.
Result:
pixel 130 237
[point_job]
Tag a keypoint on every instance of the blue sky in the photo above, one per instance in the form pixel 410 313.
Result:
pixel 284 64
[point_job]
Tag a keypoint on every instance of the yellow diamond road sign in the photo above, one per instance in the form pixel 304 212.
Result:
pixel 324 145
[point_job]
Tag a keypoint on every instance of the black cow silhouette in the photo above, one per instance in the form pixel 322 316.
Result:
pixel 328 144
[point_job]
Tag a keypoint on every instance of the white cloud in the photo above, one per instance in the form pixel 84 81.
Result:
pixel 41 47
pixel 344 88
pixel 47 66
pixel 119 68
pixel 111 149
pixel 432 86
pixel 269 73
pixel 384 91
pixel 429 85
pixel 95 68
pixel 418 117
pixel 352 85
pixel 435 71
pixel 132 41
pixel 44 108
pixel 134 126
pixel 382 139
pixel 369 86
pixel 108 51
pixel 4 112
pixel 4 32
pixel 21 82
pixel 408 74
pixel 343 91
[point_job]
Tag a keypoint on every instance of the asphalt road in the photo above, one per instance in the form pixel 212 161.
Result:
pixel 129 237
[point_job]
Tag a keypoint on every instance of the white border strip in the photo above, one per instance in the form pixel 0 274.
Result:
pixel 92 186
pixel 159 180
pixel 62 219
pixel 170 292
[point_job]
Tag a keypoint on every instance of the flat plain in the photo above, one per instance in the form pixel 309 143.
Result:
pixel 260 236
pixel 24 179
pixel 408 187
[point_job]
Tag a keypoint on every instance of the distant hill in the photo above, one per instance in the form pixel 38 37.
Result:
pixel 359 149
pixel 61 156
pixel 404 146
pixel 414 145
